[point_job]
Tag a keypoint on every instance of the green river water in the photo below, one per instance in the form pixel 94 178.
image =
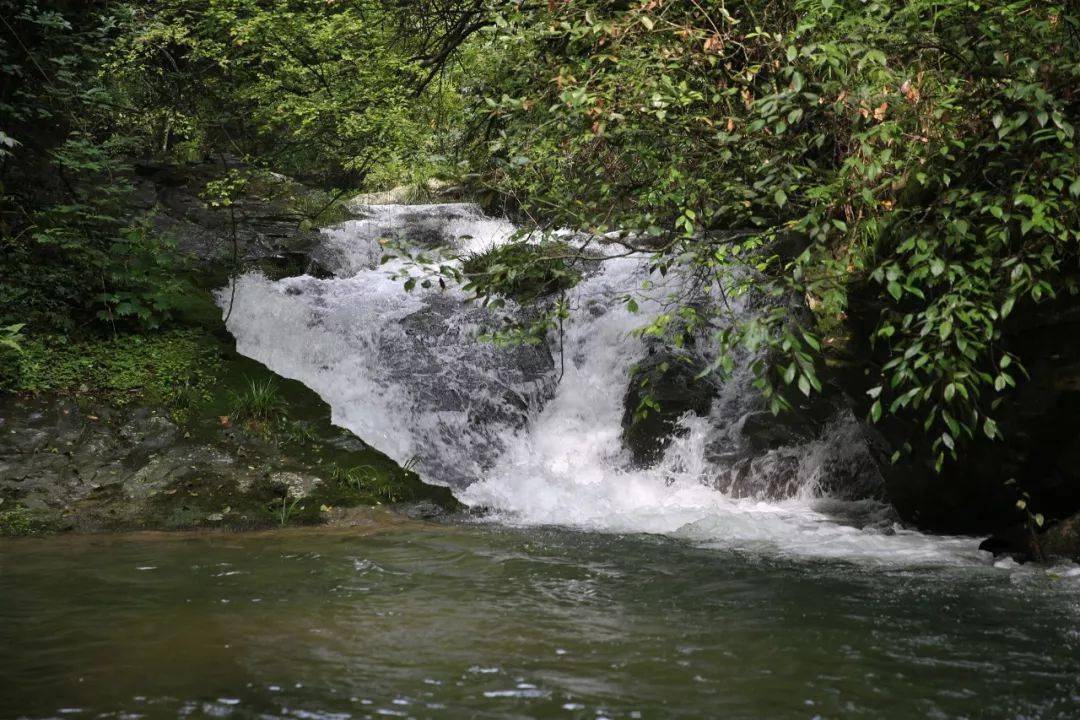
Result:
pixel 474 620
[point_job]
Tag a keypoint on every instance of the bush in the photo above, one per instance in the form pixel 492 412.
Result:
pixel 908 171
pixel 521 271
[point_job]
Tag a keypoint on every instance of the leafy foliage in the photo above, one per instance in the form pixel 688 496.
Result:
pixel 907 172
pixel 317 90
pixel 327 92
pixel 72 251
pixel 899 173
pixel 522 271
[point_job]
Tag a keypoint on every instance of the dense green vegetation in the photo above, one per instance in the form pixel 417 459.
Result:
pixel 908 169
pixel 901 180
pixel 332 93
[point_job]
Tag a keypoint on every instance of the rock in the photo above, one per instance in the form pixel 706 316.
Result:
pixel 493 386
pixel 154 477
pixel 148 431
pixel 676 390
pixel 296 485
pixel 772 476
pixel 424 510
pixel 1062 539
pixel 762 431
pixel 265 231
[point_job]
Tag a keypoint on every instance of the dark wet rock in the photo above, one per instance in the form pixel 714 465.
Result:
pixel 267 234
pixel 818 446
pixel 1016 542
pixel 772 476
pixel 293 263
pixel 1061 541
pixel 672 384
pixel 149 431
pixel 761 430
pixel 425 510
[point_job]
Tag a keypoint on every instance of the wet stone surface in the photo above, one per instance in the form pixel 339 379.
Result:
pixel 69 467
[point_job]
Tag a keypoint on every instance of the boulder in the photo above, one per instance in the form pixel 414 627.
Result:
pixel 761 430
pixel 673 384
pixel 1061 541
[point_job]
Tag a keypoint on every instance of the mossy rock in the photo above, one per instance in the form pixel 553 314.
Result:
pixel 19 521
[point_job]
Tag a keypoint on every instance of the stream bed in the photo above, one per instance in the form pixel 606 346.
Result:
pixel 468 619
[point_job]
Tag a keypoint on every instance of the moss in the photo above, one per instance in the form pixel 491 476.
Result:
pixel 174 368
pixel 23 522
pixel 215 501
pixel 364 484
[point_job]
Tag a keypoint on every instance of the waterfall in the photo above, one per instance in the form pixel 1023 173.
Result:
pixel 406 373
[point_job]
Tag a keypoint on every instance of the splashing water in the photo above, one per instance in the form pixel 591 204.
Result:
pixel 405 372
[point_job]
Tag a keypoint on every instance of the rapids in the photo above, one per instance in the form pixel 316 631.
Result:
pixel 405 372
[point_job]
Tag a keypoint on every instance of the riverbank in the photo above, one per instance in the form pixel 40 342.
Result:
pixel 172 428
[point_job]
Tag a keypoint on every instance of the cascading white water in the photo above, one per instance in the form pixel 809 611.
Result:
pixel 405 372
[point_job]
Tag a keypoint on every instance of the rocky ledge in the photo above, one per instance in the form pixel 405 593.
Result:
pixel 68 465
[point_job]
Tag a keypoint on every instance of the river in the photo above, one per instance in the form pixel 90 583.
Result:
pixel 483 620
